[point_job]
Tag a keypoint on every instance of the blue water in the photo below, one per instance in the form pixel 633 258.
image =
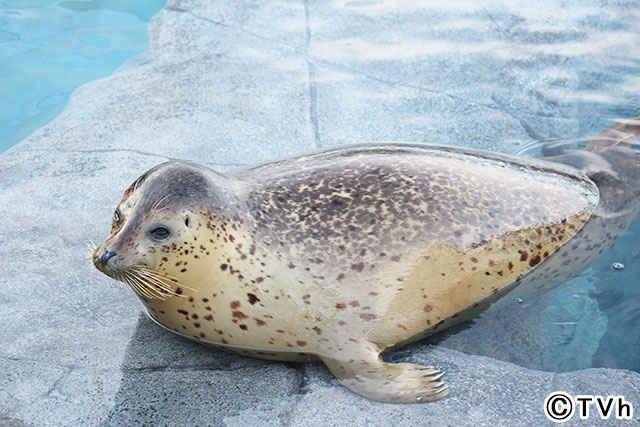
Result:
pixel 48 48
pixel 603 302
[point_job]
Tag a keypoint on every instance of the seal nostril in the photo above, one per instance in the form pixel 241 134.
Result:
pixel 106 256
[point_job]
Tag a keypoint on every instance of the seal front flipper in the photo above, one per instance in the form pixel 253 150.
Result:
pixel 357 365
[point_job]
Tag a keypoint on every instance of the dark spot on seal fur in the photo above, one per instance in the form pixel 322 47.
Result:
pixel 534 260
pixel 358 267
pixel 523 255
pixel 252 298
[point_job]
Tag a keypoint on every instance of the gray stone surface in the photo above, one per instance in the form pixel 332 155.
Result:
pixel 242 82
pixel 484 392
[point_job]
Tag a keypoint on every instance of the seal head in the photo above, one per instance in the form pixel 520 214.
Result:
pixel 156 213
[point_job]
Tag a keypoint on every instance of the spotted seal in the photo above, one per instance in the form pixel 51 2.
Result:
pixel 342 254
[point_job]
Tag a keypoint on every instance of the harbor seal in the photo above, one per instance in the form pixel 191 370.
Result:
pixel 345 253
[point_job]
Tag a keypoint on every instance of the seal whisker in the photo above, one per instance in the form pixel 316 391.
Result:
pixel 160 286
pixel 161 209
pixel 125 278
pixel 135 185
pixel 145 287
pixel 143 291
pixel 157 285
pixel 165 278
pixel 92 245
pixel 154 282
pixel 90 252
pixel 161 200
pixel 163 288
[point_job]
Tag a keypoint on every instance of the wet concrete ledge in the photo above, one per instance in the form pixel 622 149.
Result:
pixel 236 84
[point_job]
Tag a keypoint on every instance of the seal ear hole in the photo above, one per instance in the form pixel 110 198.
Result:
pixel 187 221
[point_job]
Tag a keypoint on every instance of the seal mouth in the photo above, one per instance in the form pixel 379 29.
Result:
pixel 145 282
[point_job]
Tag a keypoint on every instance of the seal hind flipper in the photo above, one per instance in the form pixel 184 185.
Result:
pixel 362 371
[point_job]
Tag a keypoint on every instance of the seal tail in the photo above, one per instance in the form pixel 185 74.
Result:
pixel 612 160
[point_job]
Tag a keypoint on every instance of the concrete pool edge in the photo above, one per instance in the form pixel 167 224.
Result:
pixel 70 357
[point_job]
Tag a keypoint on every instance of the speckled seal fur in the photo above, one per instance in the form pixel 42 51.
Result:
pixel 341 254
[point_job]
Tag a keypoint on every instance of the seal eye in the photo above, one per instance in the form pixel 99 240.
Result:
pixel 116 217
pixel 160 233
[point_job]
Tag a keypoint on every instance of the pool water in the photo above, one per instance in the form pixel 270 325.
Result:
pixel 615 281
pixel 48 48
